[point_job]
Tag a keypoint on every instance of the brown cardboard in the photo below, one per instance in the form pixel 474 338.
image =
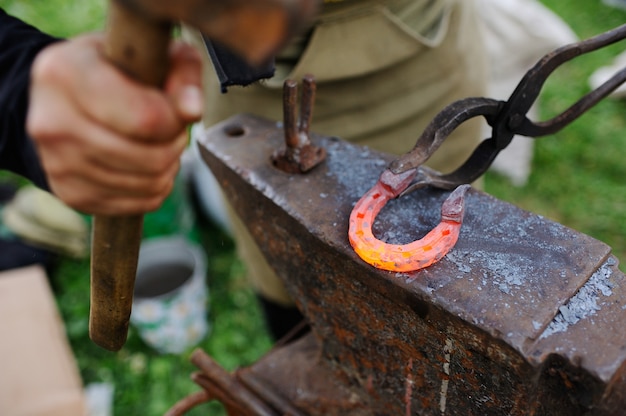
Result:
pixel 38 372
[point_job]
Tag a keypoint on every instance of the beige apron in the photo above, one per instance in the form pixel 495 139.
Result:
pixel 383 70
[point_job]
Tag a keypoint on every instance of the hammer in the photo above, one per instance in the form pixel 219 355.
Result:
pixel 137 40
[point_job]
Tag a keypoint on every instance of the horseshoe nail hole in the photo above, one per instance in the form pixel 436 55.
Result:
pixel 234 130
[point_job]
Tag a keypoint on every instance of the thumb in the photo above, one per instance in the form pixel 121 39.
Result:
pixel 184 82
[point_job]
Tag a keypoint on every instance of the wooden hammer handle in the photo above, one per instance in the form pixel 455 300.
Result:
pixel 139 46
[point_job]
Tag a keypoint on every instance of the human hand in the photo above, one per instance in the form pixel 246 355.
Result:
pixel 108 145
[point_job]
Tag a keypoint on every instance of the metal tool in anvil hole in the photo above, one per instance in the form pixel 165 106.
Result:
pixel 299 155
pixel 507 118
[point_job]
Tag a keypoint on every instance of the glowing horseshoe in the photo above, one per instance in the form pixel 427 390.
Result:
pixel 408 257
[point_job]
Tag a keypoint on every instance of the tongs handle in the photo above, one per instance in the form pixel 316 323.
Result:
pixel 512 118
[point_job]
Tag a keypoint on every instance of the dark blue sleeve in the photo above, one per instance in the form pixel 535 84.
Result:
pixel 19 44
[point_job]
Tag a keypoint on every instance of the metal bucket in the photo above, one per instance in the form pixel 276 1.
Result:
pixel 170 303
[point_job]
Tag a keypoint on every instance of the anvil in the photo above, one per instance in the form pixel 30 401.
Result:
pixel 523 316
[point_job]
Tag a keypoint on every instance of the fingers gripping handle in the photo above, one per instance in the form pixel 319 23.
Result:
pixel 139 47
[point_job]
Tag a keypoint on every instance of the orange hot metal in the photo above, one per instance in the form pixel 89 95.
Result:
pixel 408 257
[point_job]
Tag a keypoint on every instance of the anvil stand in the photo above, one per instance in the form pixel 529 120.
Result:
pixel 524 316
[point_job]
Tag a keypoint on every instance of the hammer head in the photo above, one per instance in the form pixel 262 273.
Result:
pixel 255 29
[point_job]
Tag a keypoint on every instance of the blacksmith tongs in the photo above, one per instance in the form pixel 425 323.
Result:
pixel 507 118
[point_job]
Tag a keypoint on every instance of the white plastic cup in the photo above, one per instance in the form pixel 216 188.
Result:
pixel 171 295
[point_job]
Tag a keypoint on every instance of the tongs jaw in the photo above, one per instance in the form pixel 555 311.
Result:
pixel 506 118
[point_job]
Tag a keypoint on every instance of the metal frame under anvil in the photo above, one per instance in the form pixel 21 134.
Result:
pixel 523 316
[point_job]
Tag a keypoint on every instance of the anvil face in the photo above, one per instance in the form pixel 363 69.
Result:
pixel 517 296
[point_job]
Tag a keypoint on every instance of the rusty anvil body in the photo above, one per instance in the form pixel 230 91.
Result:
pixel 524 315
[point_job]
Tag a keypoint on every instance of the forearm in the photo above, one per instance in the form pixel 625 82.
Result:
pixel 19 44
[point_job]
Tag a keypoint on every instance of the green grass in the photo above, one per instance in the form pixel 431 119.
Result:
pixel 61 18
pixel 578 179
